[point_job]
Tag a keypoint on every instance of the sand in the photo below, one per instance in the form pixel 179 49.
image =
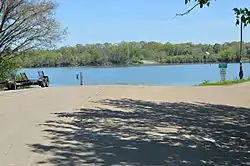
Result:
pixel 125 125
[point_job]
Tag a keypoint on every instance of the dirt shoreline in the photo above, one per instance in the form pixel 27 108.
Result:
pixel 120 125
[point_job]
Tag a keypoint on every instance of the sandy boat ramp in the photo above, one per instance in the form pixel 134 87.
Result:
pixel 125 125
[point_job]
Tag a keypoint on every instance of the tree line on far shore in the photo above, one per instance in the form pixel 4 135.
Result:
pixel 132 53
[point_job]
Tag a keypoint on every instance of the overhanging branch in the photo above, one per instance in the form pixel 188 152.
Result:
pixel 188 11
pixel 26 24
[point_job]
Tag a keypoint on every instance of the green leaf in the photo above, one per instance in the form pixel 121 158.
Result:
pixel 237 22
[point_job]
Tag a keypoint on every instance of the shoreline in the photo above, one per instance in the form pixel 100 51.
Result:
pixel 201 84
pixel 133 65
pixel 227 83
pixel 128 86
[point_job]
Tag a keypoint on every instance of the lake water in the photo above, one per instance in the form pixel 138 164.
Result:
pixel 174 75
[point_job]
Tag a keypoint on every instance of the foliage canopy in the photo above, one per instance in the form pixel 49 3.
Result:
pixel 27 24
pixel 242 14
pixel 132 53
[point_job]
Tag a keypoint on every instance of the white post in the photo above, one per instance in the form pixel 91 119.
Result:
pixel 223 74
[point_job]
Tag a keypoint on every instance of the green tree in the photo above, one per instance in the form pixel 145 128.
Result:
pixel 226 55
pixel 7 68
pixel 108 54
pixel 216 48
pixel 25 25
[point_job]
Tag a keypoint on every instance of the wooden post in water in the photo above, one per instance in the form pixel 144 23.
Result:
pixel 81 78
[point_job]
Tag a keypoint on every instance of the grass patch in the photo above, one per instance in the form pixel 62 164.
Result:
pixel 227 82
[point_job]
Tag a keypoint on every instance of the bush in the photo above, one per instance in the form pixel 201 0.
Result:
pixel 8 68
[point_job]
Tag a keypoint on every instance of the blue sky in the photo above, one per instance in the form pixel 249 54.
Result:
pixel 99 21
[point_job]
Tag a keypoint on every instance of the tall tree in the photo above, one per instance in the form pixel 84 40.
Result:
pixel 27 24
pixel 242 14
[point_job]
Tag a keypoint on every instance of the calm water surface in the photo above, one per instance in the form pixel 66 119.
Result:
pixel 175 75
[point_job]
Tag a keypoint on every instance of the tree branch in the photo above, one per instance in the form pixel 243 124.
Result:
pixel 1 8
pixel 15 20
pixel 185 13
pixel 26 24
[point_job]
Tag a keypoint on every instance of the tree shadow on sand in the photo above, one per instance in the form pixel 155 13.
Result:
pixel 135 132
